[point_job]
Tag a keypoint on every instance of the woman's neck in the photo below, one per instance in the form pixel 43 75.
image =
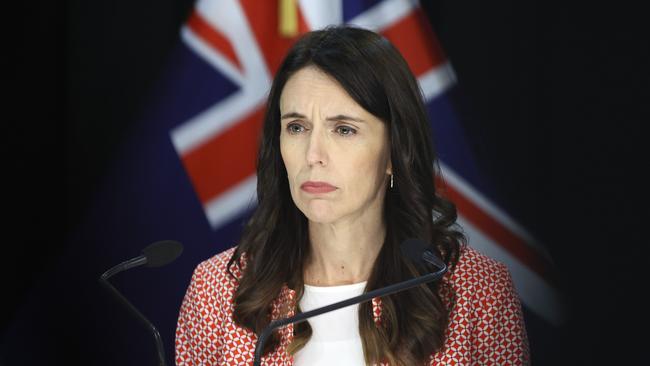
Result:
pixel 343 253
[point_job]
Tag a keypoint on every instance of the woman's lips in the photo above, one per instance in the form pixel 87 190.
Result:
pixel 317 187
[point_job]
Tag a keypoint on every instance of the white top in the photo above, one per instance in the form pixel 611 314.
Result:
pixel 335 336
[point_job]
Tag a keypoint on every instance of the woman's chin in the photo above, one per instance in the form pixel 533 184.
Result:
pixel 320 217
pixel 320 212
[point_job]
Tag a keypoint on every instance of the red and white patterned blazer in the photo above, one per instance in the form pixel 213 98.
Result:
pixel 486 324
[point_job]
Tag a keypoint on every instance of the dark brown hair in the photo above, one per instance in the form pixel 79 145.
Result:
pixel 276 241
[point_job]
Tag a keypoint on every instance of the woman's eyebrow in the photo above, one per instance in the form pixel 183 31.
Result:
pixel 339 117
pixel 342 117
pixel 293 115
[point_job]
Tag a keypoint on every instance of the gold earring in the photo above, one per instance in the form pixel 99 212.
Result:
pixel 391 181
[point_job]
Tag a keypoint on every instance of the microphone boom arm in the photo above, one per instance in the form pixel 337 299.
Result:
pixel 132 309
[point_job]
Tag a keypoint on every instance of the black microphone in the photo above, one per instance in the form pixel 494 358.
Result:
pixel 155 255
pixel 415 250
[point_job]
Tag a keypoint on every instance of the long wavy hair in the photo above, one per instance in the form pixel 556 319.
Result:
pixel 275 240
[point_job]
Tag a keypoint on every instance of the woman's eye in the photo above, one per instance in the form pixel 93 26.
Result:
pixel 345 130
pixel 294 128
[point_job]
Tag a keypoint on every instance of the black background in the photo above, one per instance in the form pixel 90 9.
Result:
pixel 558 94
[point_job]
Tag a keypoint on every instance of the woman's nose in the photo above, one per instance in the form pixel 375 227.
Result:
pixel 317 149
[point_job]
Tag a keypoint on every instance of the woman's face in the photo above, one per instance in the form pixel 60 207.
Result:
pixel 336 153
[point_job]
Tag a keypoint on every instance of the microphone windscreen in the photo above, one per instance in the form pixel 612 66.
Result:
pixel 162 252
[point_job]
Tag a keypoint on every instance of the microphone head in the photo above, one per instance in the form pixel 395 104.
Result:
pixel 162 252
pixel 418 252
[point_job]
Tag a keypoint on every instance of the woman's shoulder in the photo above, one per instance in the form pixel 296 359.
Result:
pixel 218 262
pixel 214 272
pixel 476 271
pixel 485 313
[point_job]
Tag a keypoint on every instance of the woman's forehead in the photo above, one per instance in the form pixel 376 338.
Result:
pixel 311 88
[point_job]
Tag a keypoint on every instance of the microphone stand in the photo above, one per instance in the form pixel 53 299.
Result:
pixel 389 290
pixel 132 309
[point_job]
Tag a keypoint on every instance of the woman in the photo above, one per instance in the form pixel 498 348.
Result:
pixel 345 174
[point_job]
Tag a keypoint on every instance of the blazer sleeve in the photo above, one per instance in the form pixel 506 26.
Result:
pixel 500 331
pixel 195 332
